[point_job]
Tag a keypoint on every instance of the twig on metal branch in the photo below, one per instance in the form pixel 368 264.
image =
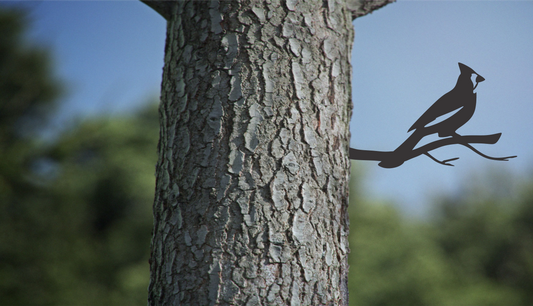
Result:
pixel 444 162
pixel 486 156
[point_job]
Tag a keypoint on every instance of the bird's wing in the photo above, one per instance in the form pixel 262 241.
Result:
pixel 445 105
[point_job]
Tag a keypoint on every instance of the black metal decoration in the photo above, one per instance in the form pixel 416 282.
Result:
pixel 458 105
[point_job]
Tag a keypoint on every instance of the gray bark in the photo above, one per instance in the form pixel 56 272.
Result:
pixel 252 178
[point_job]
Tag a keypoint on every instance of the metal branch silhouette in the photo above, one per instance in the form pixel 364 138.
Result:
pixel 460 102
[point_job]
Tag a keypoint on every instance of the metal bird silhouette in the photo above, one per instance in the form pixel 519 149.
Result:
pixel 444 117
pixel 461 99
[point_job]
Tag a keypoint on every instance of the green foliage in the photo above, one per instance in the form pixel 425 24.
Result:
pixel 83 236
pixel 75 215
pixel 476 250
pixel 28 91
pixel 28 88
pixel 392 261
pixel 487 232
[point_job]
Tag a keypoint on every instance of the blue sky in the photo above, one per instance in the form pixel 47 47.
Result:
pixel 109 53
pixel 405 57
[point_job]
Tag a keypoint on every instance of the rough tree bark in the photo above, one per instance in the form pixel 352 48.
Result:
pixel 252 178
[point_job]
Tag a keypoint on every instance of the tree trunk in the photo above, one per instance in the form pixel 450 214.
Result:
pixel 252 178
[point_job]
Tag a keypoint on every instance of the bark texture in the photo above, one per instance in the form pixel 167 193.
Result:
pixel 252 178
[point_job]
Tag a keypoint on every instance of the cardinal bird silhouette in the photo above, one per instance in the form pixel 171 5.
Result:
pixel 461 99
pixel 444 117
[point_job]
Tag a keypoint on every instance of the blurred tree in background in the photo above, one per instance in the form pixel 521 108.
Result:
pixel 82 236
pixel 476 249
pixel 487 234
pixel 75 213
pixel 28 92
